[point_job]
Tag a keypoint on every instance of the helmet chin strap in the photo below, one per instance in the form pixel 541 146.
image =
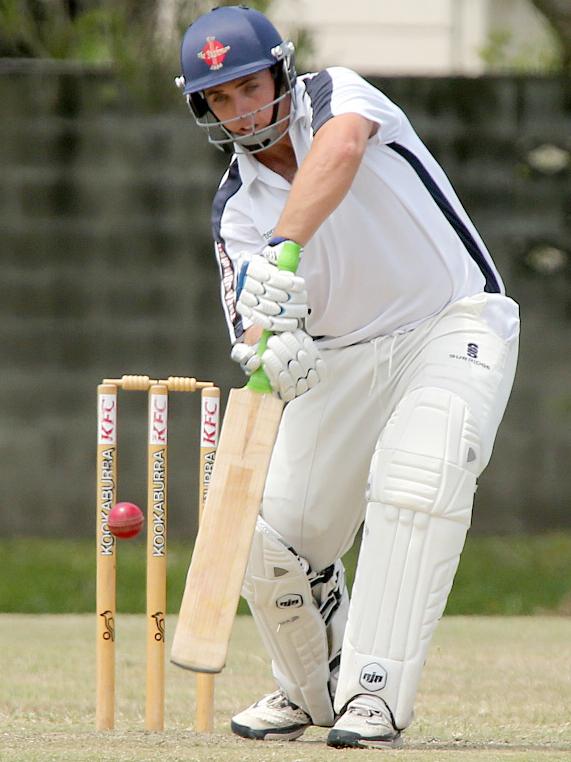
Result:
pixel 263 138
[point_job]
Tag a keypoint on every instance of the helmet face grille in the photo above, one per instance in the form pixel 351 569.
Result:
pixel 255 140
pixel 226 44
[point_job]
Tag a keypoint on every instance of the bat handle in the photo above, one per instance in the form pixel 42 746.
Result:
pixel 259 381
pixel 288 260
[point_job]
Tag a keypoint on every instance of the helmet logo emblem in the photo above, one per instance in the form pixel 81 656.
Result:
pixel 213 53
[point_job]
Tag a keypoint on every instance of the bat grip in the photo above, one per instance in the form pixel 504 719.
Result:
pixel 259 381
pixel 288 260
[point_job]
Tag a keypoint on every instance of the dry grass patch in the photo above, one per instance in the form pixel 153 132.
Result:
pixel 493 689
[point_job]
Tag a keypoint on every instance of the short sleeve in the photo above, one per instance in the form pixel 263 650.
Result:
pixel 338 90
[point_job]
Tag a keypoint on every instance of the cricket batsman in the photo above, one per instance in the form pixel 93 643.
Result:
pixel 395 348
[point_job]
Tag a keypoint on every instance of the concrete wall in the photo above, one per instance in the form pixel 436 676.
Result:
pixel 107 268
pixel 440 37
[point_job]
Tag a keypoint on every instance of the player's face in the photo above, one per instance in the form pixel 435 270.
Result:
pixel 242 104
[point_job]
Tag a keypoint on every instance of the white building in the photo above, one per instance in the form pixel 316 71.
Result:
pixel 415 37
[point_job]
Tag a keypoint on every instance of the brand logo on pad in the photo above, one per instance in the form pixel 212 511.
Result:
pixel 373 677
pixel 471 356
pixel 292 601
pixel 213 53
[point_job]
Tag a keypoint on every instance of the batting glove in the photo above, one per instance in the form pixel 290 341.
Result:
pixel 246 356
pixel 275 299
pixel 293 364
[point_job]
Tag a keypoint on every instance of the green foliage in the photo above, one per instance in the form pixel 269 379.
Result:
pixel 95 31
pixel 514 575
pixel 304 49
pixel 134 37
pixel 500 55
pixel 497 575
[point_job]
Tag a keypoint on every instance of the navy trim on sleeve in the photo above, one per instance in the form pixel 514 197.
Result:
pixel 229 187
pixel 448 211
pixel 320 90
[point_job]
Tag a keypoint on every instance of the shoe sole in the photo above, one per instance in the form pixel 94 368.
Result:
pixel 289 733
pixel 344 739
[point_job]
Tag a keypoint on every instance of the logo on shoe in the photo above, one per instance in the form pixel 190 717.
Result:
pixel 373 677
pixel 290 601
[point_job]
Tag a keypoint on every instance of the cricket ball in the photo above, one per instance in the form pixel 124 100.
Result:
pixel 125 520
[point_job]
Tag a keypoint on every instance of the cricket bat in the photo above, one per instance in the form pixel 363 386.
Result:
pixel 222 546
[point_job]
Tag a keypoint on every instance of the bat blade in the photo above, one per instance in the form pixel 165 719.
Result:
pixel 225 534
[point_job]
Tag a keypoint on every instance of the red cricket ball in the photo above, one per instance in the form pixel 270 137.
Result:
pixel 125 520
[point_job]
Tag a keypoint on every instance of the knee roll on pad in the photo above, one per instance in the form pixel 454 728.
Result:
pixel 422 483
pixel 300 617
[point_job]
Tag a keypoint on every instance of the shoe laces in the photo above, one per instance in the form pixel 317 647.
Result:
pixel 279 700
pixel 364 709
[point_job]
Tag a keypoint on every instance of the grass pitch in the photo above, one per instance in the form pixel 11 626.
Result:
pixel 493 689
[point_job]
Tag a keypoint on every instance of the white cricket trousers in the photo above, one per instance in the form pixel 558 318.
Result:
pixel 315 494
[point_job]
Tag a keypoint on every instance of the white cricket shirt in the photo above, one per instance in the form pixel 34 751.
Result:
pixel 396 251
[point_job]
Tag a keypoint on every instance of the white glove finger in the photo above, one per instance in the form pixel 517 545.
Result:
pixel 258 318
pixel 286 388
pixel 283 347
pixel 244 310
pixel 252 364
pixel 297 284
pixel 280 381
pixel 297 298
pixel 302 386
pixel 312 378
pixel 282 324
pixel 304 361
pixel 280 279
pixel 253 286
pixel 290 343
pixel 287 394
pixel 276 294
pixel 260 269
pixel 282 342
pixel 241 352
pixel 311 350
pixel 247 357
pixel 267 307
pixel 249 299
pixel 272 367
pixel 295 370
pixel 308 343
pixel 286 281
pixel 298 311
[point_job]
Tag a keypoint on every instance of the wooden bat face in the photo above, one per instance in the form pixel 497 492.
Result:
pixel 223 543
pixel 225 534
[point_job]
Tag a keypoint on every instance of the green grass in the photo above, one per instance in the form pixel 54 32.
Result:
pixel 497 575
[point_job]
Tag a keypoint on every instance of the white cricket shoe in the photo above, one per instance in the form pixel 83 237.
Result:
pixel 366 723
pixel 272 718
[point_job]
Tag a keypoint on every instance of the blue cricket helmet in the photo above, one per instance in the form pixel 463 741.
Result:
pixel 227 43
pixel 224 44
